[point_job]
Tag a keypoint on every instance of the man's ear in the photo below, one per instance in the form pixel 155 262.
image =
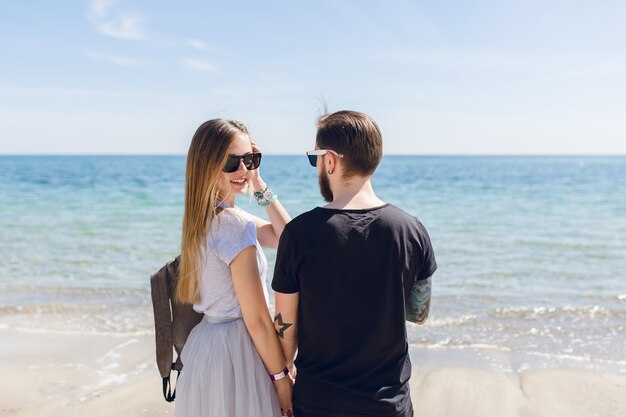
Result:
pixel 331 162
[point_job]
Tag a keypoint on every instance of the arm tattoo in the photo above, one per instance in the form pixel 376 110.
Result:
pixel 281 326
pixel 418 304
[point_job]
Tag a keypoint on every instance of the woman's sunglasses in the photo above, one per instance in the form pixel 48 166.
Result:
pixel 312 155
pixel 250 160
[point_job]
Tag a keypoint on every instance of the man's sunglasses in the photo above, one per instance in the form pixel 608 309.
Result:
pixel 250 160
pixel 312 155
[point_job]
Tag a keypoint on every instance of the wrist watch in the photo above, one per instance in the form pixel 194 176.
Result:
pixel 280 375
pixel 265 197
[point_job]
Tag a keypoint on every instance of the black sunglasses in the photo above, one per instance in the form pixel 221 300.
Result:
pixel 250 160
pixel 312 155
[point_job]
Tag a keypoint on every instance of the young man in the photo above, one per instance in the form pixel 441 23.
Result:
pixel 347 277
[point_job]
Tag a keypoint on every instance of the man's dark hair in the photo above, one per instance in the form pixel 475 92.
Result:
pixel 356 136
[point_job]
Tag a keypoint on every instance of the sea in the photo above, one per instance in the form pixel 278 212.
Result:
pixel 531 250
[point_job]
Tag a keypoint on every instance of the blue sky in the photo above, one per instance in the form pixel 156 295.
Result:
pixel 452 77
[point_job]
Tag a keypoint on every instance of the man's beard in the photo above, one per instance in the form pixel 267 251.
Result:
pixel 325 187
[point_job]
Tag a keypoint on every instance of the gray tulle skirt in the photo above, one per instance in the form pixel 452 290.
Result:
pixel 223 375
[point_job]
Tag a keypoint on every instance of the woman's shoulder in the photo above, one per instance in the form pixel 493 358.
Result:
pixel 235 214
pixel 231 222
pixel 229 233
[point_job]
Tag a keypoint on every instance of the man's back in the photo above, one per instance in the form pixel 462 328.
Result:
pixel 353 270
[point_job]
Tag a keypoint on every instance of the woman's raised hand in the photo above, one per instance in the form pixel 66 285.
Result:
pixel 255 175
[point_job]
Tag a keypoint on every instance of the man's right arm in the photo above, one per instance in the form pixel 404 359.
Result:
pixel 285 324
pixel 418 305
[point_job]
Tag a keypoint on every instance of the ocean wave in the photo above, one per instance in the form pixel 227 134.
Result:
pixel 78 319
pixel 89 332
pixel 137 323
pixel 533 313
pixel 520 358
pixel 449 343
pixel 72 290
pixel 451 321
pixel 50 309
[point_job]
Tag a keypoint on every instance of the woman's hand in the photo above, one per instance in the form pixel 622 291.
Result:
pixel 268 233
pixel 284 388
pixel 255 175
pixel 292 373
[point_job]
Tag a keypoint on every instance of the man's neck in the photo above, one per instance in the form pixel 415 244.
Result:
pixel 356 193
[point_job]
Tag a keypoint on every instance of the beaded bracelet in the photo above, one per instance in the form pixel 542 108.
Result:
pixel 265 197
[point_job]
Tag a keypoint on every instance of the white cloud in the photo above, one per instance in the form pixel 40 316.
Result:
pixel 100 8
pixel 120 25
pixel 195 43
pixel 123 27
pixel 198 64
pixel 201 45
pixel 116 60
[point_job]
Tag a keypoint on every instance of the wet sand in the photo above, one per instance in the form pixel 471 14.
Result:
pixel 47 374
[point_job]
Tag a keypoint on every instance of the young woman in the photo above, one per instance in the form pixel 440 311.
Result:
pixel 233 361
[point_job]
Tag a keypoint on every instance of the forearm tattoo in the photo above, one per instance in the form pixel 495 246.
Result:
pixel 281 326
pixel 418 304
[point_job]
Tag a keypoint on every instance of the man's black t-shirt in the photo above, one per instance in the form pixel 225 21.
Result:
pixel 353 270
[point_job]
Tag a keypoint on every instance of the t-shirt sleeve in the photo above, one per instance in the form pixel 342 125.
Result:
pixel 428 264
pixel 230 235
pixel 285 277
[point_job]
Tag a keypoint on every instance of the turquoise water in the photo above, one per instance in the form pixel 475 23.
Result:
pixel 531 250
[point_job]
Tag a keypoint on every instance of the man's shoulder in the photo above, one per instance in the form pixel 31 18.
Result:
pixel 396 216
pixel 404 223
pixel 304 220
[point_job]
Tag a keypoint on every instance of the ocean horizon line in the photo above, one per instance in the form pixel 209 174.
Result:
pixel 425 155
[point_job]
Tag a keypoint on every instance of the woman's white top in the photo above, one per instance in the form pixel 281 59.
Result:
pixel 232 231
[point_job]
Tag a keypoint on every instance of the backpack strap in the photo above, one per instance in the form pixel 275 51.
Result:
pixel 160 292
pixel 168 394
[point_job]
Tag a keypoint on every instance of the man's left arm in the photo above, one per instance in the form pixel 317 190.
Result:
pixel 418 305
pixel 286 323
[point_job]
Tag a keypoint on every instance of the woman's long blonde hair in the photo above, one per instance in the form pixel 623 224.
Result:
pixel 206 158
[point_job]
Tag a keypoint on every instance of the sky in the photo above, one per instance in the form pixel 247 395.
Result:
pixel 439 77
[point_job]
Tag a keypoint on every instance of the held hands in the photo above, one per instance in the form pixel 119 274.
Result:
pixel 292 372
pixel 284 388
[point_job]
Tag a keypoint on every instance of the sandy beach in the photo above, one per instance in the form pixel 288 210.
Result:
pixel 79 375
pixel 49 374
